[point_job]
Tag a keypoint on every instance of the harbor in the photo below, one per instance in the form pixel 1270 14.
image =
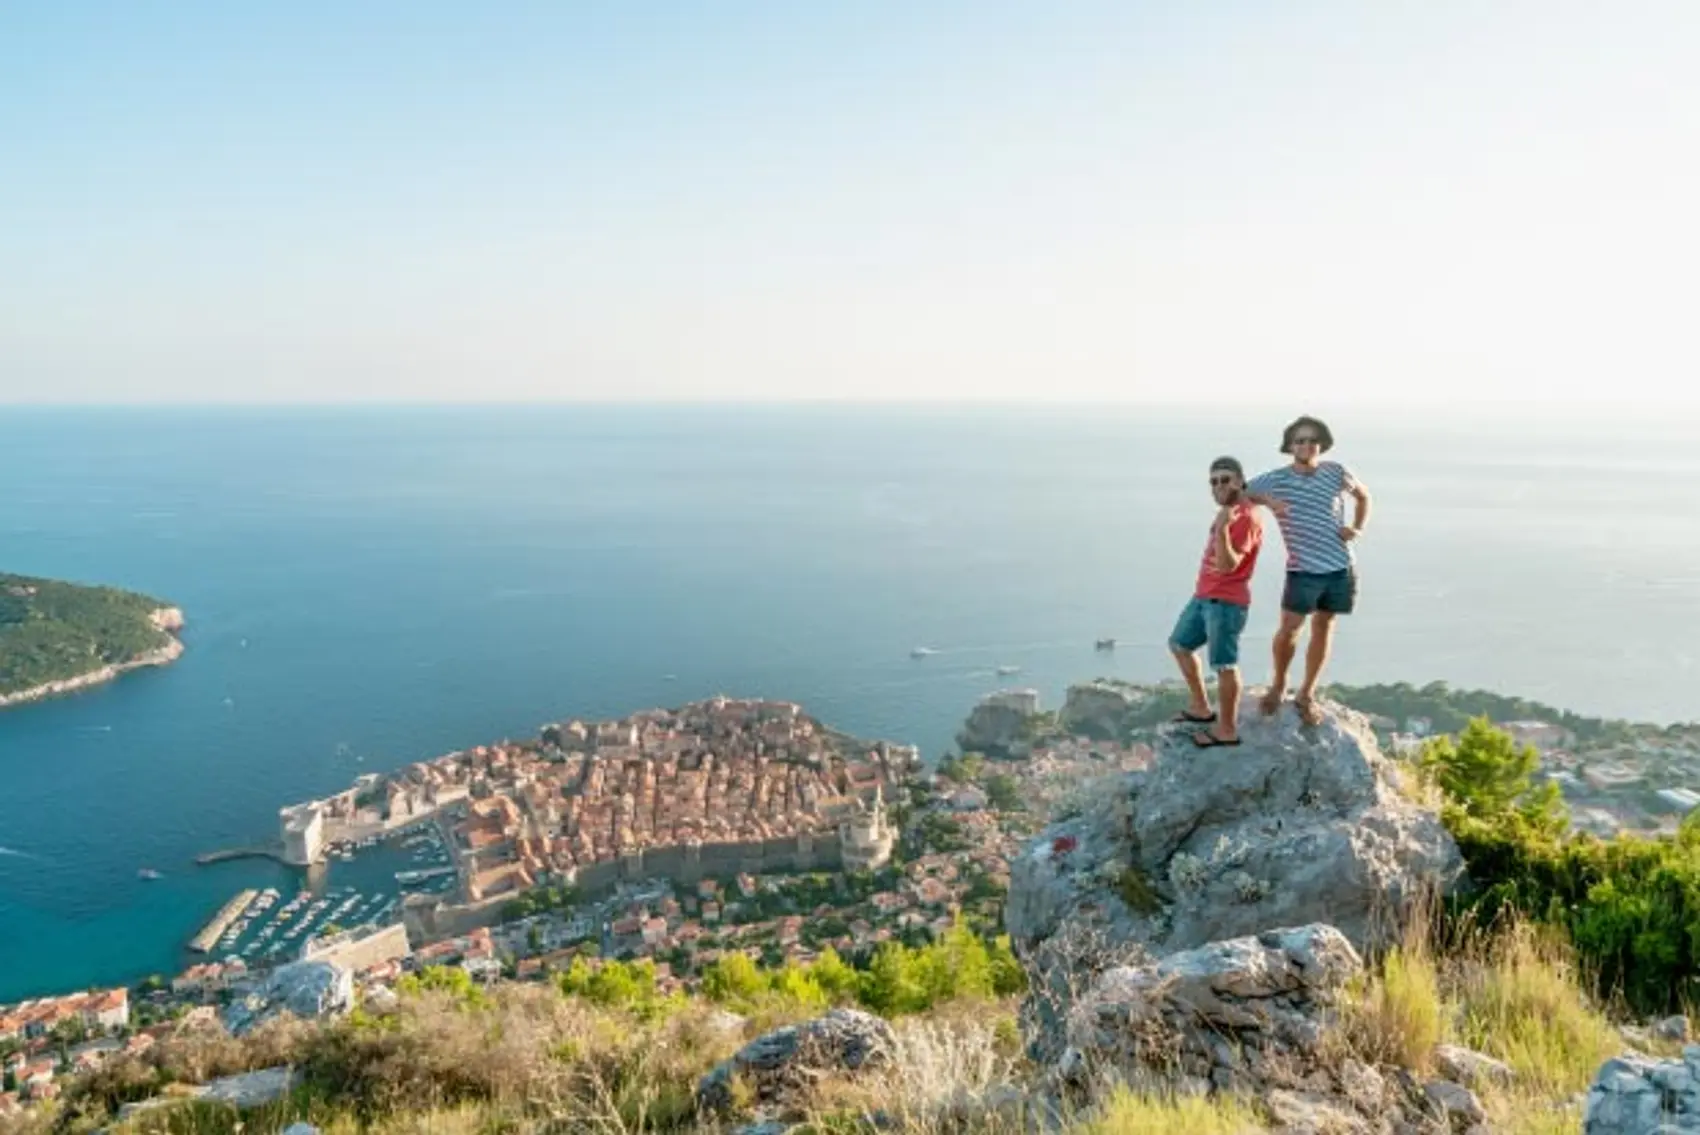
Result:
pixel 213 931
pixel 360 885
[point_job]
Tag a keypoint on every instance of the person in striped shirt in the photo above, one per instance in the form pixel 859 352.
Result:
pixel 1307 498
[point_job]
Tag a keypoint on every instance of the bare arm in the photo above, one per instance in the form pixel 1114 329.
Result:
pixel 1264 500
pixel 1360 510
pixel 1226 555
pixel 1227 559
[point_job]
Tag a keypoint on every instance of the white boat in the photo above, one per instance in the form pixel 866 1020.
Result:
pixel 922 652
pixel 1006 671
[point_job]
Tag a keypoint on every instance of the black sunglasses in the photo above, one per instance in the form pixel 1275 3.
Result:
pixel 1226 479
pixel 1306 439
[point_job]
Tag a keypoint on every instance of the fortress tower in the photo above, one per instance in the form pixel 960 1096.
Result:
pixel 302 827
pixel 867 837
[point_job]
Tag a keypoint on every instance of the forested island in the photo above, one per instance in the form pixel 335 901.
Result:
pixel 57 637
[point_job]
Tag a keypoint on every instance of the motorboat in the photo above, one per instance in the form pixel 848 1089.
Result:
pixel 1105 644
pixel 1006 671
pixel 922 652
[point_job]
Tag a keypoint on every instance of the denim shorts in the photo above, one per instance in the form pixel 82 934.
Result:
pixel 1333 591
pixel 1215 622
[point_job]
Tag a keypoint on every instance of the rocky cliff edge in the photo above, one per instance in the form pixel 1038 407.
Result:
pixel 1297 825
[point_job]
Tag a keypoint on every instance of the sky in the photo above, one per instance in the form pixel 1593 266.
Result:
pixel 1404 201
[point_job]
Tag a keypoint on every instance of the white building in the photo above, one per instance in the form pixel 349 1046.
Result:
pixel 1680 799
pixel 867 838
pixel 1025 702
pixel 303 830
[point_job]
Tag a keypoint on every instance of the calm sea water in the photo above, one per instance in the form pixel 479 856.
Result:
pixel 365 588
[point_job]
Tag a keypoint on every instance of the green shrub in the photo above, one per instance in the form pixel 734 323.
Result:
pixel 1134 887
pixel 1630 905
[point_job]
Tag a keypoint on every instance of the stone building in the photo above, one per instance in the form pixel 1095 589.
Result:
pixel 867 838
pixel 303 830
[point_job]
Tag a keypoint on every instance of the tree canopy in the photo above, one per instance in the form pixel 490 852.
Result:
pixel 52 631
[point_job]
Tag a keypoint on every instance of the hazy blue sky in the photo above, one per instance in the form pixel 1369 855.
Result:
pixel 1326 199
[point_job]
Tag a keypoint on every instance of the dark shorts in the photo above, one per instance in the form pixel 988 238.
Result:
pixel 1211 621
pixel 1333 591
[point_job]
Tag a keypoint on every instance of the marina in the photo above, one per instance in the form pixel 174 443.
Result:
pixel 227 914
pixel 361 886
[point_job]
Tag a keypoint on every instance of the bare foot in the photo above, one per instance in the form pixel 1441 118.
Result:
pixel 1309 712
pixel 1270 702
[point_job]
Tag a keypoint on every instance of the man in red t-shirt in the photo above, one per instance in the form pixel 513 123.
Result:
pixel 1217 611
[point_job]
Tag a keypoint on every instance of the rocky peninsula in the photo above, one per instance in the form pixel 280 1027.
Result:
pixel 57 638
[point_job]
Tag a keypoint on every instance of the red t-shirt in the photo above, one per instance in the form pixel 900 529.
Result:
pixel 1245 534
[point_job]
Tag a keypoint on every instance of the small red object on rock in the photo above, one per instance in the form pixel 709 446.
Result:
pixel 1064 844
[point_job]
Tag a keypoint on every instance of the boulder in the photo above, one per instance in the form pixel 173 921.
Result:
pixel 247 1090
pixel 777 1068
pixel 1295 826
pixel 1304 1113
pixel 1244 1014
pixel 1101 709
pixel 1636 1095
pixel 251 1089
pixel 1673 1028
pixel 999 726
pixel 1469 1067
pixel 307 990
pixel 1454 1103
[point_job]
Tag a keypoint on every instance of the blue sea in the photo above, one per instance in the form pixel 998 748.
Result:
pixel 367 587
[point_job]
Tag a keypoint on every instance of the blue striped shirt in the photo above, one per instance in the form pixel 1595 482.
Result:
pixel 1315 514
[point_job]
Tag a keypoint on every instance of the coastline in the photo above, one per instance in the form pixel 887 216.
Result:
pixel 167 619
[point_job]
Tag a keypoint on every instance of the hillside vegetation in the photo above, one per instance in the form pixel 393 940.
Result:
pixel 1565 936
pixel 1629 905
pixel 52 631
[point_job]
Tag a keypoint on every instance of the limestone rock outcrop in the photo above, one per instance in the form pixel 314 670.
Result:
pixel 1100 709
pixel 1250 1016
pixel 1219 1013
pixel 1637 1095
pixel 307 990
pixel 998 725
pixel 1297 825
pixel 245 1090
pixel 777 1068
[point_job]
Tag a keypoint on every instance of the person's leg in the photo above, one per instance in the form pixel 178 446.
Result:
pixel 1338 597
pixel 1316 657
pixel 1228 697
pixel 1198 704
pixel 1285 647
pixel 1224 622
pixel 1190 634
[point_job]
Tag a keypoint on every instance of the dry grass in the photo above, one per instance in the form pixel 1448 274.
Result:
pixel 1523 1004
pixel 1535 1117
pixel 958 1068
pixel 1130 1113
pixel 530 1060
pixel 1513 994
pixel 528 1057
pixel 1398 1015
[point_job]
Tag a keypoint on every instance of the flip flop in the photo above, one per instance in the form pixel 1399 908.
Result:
pixel 1187 718
pixel 1204 739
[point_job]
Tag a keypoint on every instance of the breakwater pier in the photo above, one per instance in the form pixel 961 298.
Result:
pixel 212 931
pixel 264 851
